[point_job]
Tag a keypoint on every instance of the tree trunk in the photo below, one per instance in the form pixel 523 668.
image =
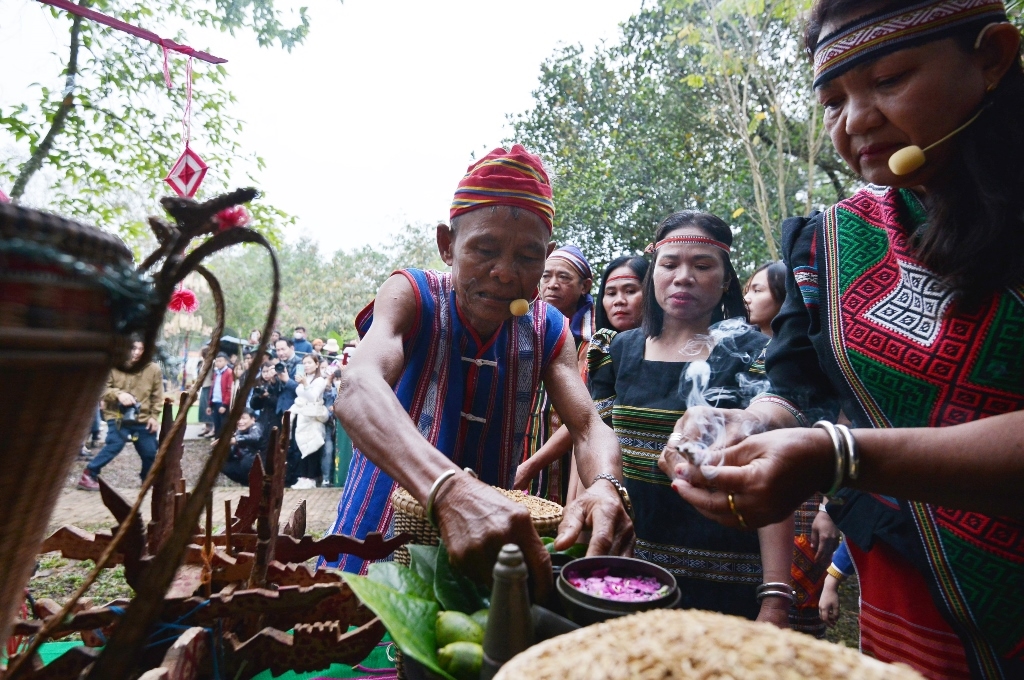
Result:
pixel 35 162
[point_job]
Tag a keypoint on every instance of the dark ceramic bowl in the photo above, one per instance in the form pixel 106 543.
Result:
pixel 586 609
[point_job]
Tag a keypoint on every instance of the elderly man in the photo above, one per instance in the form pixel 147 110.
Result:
pixel 445 377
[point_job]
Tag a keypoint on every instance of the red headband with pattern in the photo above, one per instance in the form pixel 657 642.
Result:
pixel 701 240
pixel 888 31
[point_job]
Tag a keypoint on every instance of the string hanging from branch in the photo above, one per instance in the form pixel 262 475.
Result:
pixel 189 170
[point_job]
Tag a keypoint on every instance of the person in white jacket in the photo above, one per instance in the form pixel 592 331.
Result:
pixel 309 415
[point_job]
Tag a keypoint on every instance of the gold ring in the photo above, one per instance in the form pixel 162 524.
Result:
pixel 739 517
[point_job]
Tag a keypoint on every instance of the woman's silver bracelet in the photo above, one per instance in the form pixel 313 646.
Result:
pixel 852 455
pixel 776 589
pixel 774 585
pixel 847 457
pixel 776 593
pixel 837 448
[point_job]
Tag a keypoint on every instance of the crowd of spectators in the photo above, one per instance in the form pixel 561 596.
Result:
pixel 297 378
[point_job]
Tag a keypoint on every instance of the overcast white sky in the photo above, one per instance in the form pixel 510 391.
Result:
pixel 370 124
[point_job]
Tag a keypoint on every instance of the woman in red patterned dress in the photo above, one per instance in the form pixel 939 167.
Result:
pixel 905 312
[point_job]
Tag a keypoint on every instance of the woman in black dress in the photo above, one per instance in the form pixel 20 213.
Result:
pixel 642 381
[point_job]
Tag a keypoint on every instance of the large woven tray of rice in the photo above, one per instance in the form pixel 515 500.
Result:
pixel 688 644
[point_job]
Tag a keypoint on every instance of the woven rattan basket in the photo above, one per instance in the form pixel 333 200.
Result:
pixel 686 645
pixel 411 517
pixel 57 346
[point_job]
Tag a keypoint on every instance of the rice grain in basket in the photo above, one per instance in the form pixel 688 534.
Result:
pixel 687 645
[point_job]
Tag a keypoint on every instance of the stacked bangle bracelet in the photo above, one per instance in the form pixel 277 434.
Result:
pixel 847 458
pixel 776 589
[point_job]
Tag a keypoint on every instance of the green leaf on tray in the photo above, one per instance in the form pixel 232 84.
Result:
pixel 576 550
pixel 423 558
pixel 453 590
pixel 410 620
pixel 400 578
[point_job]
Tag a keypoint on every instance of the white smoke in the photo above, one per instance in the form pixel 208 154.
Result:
pixel 705 452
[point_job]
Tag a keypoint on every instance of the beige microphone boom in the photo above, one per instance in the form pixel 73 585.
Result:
pixel 910 158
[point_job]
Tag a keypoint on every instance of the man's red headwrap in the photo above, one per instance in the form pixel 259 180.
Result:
pixel 514 178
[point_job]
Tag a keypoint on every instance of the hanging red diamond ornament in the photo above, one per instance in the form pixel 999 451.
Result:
pixel 187 174
pixel 189 170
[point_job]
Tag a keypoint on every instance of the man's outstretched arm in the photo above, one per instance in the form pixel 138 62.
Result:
pixel 475 521
pixel 596 449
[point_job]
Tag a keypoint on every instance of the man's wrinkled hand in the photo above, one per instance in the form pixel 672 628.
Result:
pixel 126 399
pixel 152 425
pixel 599 509
pixel 476 521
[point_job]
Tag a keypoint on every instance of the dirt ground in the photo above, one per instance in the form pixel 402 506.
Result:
pixel 123 471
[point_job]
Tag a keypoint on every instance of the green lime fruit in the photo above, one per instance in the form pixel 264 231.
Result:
pixel 457 627
pixel 481 617
pixel 462 659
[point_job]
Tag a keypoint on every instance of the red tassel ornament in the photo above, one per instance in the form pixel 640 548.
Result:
pixel 183 300
pixel 233 217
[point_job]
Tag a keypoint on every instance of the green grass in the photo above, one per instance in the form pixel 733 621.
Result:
pixel 57 578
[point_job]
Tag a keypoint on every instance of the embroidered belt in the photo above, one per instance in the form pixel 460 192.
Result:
pixel 708 565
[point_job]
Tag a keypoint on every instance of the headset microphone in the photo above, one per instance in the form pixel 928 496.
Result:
pixel 910 158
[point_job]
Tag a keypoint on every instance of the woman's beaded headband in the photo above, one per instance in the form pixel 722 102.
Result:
pixel 632 277
pixel 888 31
pixel 702 240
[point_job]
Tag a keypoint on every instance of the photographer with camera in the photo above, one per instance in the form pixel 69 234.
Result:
pixel 131 404
pixel 267 395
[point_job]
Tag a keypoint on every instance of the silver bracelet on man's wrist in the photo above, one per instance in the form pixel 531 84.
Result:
pixel 620 489
pixel 436 486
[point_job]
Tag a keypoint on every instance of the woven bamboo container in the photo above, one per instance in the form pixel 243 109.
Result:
pixel 411 517
pixel 666 644
pixel 57 346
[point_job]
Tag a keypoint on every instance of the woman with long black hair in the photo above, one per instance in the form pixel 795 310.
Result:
pixel 619 305
pixel 764 293
pixel 690 348
pixel 905 312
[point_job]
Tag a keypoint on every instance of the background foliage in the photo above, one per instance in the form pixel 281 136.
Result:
pixel 322 294
pixel 101 147
pixel 701 105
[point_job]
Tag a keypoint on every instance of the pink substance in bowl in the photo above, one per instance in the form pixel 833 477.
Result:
pixel 600 583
